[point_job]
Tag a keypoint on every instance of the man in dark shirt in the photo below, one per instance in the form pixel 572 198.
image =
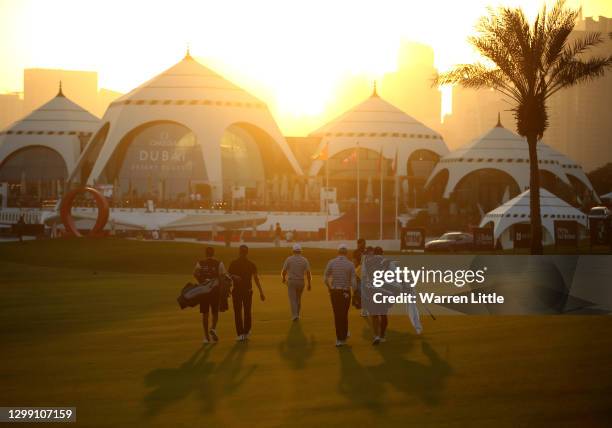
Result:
pixel 210 271
pixel 361 247
pixel 278 235
pixel 243 272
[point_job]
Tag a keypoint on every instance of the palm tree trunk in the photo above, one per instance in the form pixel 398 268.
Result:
pixel 534 196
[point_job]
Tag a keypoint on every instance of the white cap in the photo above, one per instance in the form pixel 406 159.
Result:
pixel 342 247
pixel 297 247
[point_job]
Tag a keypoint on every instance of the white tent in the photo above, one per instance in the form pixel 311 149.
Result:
pixel 195 97
pixel 377 125
pixel 571 168
pixel 501 149
pixel 516 211
pixel 58 125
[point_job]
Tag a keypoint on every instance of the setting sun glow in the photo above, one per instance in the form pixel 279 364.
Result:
pixel 293 55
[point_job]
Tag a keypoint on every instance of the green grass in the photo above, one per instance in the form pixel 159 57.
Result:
pixel 94 324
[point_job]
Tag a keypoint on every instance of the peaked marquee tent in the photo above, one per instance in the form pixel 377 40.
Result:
pixel 195 98
pixel 516 211
pixel 44 145
pixel 501 149
pixel 377 125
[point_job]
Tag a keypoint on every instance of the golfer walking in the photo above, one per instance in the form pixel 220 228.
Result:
pixel 211 271
pixel 374 261
pixel 243 272
pixel 340 279
pixel 294 270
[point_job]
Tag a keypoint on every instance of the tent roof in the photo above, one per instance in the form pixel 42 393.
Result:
pixel 549 204
pixel 374 117
pixel 503 150
pixel 189 80
pixel 58 114
pixel 378 125
pixel 517 210
pixel 500 142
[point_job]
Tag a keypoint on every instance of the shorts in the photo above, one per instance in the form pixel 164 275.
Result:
pixel 210 301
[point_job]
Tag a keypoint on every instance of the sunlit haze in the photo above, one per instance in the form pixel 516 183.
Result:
pixel 294 55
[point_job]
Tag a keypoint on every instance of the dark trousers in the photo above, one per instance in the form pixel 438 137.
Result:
pixel 341 302
pixel 242 300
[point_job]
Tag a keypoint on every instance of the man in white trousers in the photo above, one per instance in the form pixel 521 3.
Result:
pixel 295 268
pixel 378 262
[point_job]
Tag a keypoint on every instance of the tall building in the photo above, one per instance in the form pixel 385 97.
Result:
pixel 40 84
pixel 473 113
pixel 409 88
pixel 579 116
pixel 11 107
pixel 105 98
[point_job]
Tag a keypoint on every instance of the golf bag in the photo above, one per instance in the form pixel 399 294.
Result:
pixel 191 293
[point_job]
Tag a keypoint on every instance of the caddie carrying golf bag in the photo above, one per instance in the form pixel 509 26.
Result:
pixel 191 293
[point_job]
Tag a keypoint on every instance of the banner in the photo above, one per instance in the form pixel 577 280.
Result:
pixel 483 238
pixel 599 229
pixel 412 239
pixel 566 233
pixel 521 235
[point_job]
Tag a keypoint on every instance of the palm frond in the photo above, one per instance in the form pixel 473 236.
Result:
pixel 576 71
pixel 531 61
pixel 582 45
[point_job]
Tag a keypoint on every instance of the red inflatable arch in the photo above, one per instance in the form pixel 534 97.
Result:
pixel 66 215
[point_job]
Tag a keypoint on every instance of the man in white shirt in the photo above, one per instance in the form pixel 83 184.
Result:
pixel 340 279
pixel 294 270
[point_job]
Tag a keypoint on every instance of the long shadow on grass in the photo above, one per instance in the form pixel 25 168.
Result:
pixel 357 383
pixel 209 381
pixel 425 381
pixel 230 374
pixel 365 385
pixel 175 384
pixel 296 349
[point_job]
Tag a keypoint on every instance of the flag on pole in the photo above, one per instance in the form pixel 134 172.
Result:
pixel 350 158
pixel 382 192
pixel 396 191
pixel 323 154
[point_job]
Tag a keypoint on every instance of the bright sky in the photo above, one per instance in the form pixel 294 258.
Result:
pixel 293 54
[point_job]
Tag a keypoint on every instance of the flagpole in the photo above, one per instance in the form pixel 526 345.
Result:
pixel 395 220
pixel 381 195
pixel 358 196
pixel 396 203
pixel 327 198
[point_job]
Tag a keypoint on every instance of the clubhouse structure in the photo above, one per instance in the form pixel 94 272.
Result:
pixel 190 153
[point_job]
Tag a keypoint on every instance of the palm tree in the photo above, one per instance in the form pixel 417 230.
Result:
pixel 528 63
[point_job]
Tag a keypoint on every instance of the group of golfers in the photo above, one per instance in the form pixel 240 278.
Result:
pixel 341 277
